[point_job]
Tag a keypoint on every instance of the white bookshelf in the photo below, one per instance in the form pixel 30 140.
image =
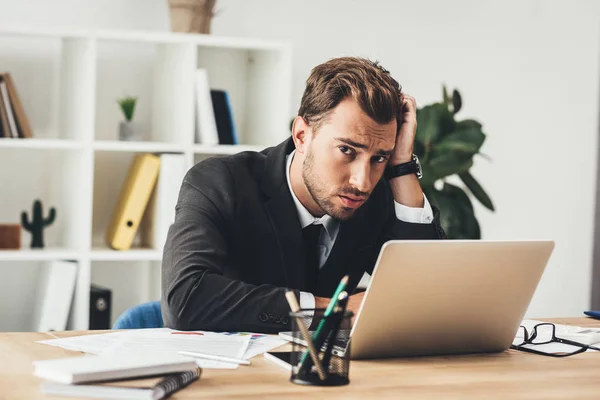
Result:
pixel 68 81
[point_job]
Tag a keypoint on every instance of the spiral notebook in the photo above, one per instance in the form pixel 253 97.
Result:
pixel 154 388
pixel 87 368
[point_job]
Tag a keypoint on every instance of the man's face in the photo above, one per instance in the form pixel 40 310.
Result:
pixel 345 159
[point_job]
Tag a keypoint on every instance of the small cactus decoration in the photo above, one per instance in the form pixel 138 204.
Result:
pixel 37 224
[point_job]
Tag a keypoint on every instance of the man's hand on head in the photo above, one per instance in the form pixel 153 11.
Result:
pixel 406 189
pixel 405 138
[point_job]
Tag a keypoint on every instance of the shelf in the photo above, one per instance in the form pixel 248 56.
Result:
pixel 48 254
pixel 82 166
pixel 225 148
pixel 139 254
pixel 138 147
pixel 40 144
pixel 146 36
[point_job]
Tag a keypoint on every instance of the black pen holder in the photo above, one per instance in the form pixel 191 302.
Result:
pixel 334 357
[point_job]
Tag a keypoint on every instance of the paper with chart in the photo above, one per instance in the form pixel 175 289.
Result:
pixel 169 342
pixel 98 343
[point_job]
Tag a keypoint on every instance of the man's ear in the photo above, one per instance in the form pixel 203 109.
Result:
pixel 300 133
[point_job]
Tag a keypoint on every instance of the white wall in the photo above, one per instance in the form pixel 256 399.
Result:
pixel 528 70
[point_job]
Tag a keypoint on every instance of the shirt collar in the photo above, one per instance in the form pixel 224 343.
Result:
pixel 306 218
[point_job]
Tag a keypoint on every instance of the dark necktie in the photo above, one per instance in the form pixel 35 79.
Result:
pixel 311 244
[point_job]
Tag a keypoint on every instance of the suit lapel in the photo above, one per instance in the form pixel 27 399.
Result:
pixel 283 216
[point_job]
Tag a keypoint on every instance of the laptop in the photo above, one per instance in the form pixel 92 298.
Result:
pixel 444 297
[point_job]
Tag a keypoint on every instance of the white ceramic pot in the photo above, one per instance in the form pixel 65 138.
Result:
pixel 129 131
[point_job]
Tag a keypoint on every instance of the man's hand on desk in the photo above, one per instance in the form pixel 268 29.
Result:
pixel 353 305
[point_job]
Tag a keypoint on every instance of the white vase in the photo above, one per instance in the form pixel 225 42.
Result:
pixel 129 131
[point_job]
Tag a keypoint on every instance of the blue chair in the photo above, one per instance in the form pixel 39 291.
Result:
pixel 145 315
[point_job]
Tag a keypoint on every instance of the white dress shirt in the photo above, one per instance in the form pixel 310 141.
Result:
pixel 332 226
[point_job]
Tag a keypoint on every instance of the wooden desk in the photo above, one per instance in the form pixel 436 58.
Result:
pixel 508 375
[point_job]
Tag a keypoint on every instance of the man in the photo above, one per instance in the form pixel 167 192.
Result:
pixel 299 215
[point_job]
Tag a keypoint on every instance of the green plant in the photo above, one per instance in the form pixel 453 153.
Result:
pixel 127 106
pixel 446 147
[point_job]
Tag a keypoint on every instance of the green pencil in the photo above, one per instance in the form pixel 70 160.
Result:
pixel 332 303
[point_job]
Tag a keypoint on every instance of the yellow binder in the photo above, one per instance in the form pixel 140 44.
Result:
pixel 134 198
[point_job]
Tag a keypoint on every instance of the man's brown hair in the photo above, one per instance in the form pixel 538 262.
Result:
pixel 367 82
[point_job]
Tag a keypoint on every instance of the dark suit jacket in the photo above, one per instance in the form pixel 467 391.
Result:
pixel 236 244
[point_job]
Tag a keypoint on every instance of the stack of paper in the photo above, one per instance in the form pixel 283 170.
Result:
pixel 171 342
pixel 239 345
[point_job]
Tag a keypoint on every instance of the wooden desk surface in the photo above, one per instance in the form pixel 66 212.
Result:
pixel 507 375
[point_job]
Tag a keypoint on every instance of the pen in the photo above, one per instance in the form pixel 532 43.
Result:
pixel 291 298
pixel 338 317
pixel 215 358
pixel 328 310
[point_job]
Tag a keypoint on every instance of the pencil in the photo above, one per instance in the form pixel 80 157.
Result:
pixel 332 303
pixel 291 298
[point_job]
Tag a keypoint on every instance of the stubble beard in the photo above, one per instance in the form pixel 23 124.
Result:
pixel 318 192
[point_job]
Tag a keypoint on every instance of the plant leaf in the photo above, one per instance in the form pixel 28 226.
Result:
pixel 456 213
pixel 476 190
pixel 430 193
pixel 433 121
pixel 419 149
pixel 446 164
pixel 445 96
pixel 456 101
pixel 467 124
pixel 474 138
pixel 457 143
pixel 486 156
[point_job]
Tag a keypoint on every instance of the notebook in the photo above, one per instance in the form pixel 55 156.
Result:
pixel 153 388
pixel 91 368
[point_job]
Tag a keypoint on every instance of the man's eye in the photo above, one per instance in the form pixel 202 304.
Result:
pixel 380 159
pixel 346 150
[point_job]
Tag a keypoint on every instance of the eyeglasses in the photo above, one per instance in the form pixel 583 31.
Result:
pixel 544 334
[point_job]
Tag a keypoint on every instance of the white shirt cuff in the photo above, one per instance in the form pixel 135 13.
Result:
pixel 307 302
pixel 414 215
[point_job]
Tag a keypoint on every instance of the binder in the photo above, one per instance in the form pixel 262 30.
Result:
pixel 100 307
pixel 133 200
pixel 160 212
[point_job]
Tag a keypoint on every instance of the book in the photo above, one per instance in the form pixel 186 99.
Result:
pixel 106 367
pixel 206 126
pixel 224 117
pixel 135 194
pixel 22 122
pixel 150 388
pixel 55 288
pixel 12 131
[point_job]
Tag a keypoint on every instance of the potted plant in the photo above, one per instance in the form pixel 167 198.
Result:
pixel 128 130
pixel 446 147
pixel 191 16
